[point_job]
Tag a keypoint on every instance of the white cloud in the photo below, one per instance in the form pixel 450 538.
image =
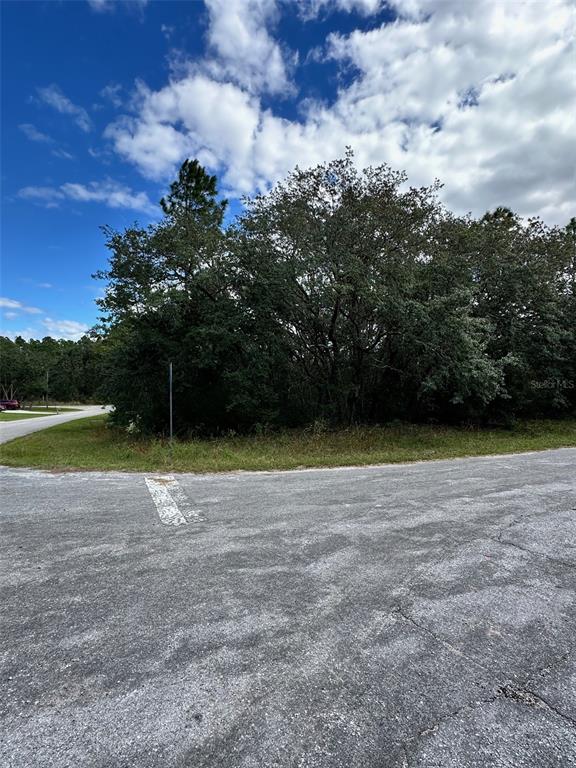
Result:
pixel 55 98
pixel 50 197
pixel 62 154
pixel 365 7
pixel 313 8
pixel 111 93
pixel 25 333
pixel 33 134
pixel 112 194
pixel 107 6
pixel 219 120
pixel 13 305
pixel 65 329
pixel 509 142
pixel 480 95
pixel 10 315
pixel 108 192
pixel 71 330
pixel 243 50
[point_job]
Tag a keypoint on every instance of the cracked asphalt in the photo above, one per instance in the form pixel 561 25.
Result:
pixel 407 616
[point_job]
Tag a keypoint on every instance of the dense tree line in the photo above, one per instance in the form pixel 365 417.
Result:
pixel 55 370
pixel 342 296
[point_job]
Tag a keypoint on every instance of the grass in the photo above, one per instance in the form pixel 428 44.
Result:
pixel 17 416
pixel 91 444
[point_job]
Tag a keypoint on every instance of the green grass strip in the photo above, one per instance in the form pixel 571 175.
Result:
pixel 17 416
pixel 92 444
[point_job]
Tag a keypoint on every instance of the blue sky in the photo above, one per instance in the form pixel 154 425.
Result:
pixel 102 99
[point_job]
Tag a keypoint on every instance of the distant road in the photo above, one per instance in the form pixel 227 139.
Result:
pixel 10 430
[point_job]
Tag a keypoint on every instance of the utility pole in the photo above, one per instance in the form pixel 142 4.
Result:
pixel 170 386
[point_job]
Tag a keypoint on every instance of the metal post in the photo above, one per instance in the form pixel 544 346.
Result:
pixel 170 381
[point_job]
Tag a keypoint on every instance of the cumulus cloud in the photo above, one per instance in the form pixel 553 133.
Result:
pixel 55 98
pixel 195 115
pixel 480 95
pixel 313 8
pixel 15 307
pixel 242 49
pixel 109 192
pixel 65 329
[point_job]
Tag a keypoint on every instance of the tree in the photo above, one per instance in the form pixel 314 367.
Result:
pixel 193 194
pixel 168 299
pixel 62 370
pixel 340 295
pixel 520 272
pixel 340 265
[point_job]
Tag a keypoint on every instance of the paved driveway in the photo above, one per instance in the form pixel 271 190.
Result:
pixel 10 430
pixel 419 615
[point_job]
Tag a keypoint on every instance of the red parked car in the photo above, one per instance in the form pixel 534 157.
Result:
pixel 10 405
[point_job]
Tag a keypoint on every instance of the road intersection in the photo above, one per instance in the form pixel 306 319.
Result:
pixel 417 615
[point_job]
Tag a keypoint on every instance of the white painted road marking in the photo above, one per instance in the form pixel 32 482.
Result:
pixel 171 501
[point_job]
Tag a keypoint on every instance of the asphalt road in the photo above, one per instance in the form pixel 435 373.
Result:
pixel 416 615
pixel 10 430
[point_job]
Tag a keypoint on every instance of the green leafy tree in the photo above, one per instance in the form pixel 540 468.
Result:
pixel 521 274
pixel 168 300
pixel 58 370
pixel 342 267
pixel 340 295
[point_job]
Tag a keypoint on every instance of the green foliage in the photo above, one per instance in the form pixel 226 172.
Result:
pixel 193 192
pixel 341 296
pixel 62 370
